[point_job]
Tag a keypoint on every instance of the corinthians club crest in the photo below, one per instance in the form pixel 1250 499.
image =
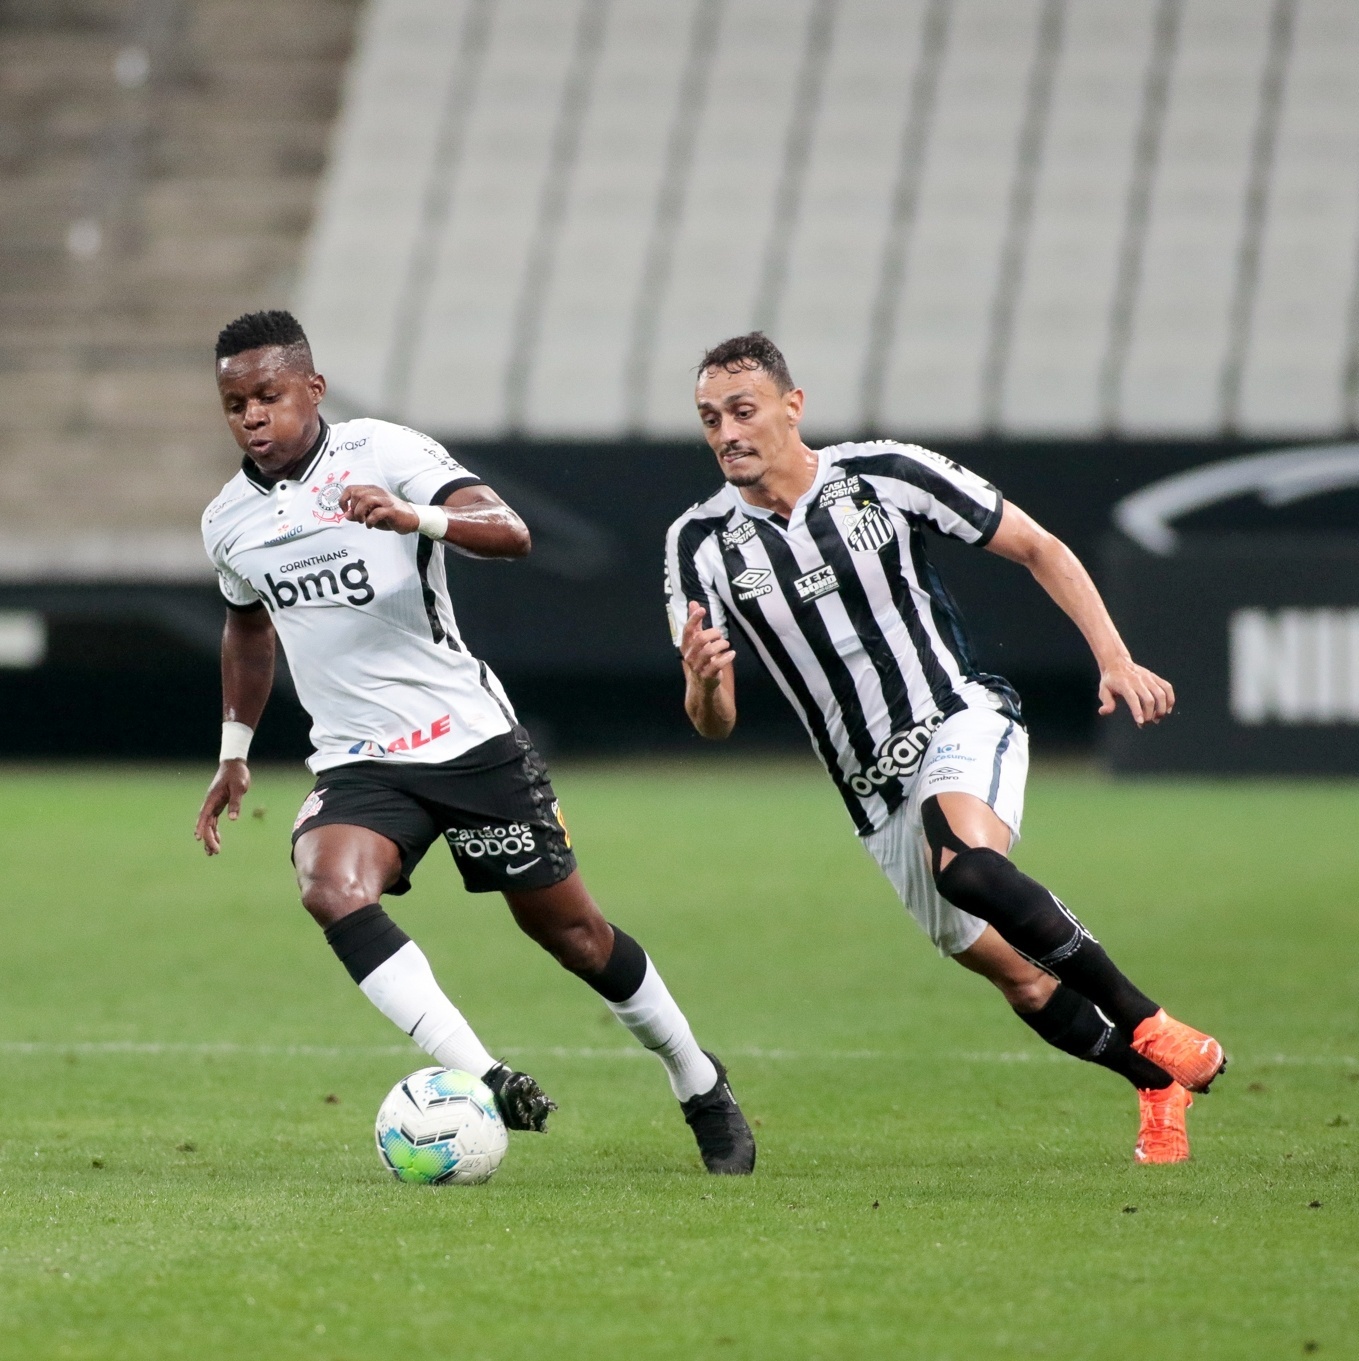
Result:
pixel 868 529
pixel 327 508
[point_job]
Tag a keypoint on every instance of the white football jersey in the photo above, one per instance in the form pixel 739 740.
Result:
pixel 364 615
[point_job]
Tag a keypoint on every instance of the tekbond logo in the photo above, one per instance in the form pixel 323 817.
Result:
pixel 477 843
pixel 743 533
pixel 818 582
pixel 897 757
pixel 868 530
pixel 752 583
pixel 351 582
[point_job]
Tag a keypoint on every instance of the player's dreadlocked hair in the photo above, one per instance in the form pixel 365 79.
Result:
pixel 754 351
pixel 256 330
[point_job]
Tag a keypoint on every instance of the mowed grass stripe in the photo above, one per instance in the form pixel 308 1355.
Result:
pixel 932 1183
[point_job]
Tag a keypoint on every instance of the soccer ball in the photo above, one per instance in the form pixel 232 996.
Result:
pixel 441 1125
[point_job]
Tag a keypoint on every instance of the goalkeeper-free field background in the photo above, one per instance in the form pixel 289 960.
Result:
pixel 189 1082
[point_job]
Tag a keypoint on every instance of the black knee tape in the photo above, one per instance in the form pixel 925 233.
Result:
pixel 365 939
pixel 939 834
pixel 983 882
pixel 620 978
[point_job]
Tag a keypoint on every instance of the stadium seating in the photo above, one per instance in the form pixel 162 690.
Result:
pixel 960 218
pixel 157 171
pixel 1039 217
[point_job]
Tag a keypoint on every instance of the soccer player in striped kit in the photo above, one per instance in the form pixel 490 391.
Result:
pixel 820 559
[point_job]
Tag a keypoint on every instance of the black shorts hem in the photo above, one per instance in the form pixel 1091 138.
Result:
pixel 494 806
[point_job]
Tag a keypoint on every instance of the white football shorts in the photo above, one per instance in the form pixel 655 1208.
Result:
pixel 978 752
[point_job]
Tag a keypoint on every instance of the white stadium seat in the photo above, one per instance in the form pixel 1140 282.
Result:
pixel 540 212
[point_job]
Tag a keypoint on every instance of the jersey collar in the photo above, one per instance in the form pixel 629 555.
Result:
pixel 265 483
pixel 823 463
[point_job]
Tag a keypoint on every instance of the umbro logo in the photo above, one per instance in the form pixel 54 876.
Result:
pixel 752 583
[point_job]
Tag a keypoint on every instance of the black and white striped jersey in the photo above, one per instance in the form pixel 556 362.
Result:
pixel 845 608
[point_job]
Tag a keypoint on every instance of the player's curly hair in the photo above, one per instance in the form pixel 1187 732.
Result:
pixel 258 330
pixel 753 351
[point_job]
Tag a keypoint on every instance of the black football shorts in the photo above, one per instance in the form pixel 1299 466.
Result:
pixel 494 806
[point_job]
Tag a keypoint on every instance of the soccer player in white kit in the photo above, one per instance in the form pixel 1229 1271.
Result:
pixel 326 539
pixel 820 558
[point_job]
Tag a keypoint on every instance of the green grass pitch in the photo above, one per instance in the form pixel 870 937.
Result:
pixel 189 1084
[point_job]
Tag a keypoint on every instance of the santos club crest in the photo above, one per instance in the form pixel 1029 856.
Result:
pixel 867 530
pixel 327 508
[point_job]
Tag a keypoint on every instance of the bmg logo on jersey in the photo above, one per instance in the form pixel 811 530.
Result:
pixel 478 842
pixel 352 582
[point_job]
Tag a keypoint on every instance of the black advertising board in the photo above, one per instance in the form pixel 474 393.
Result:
pixel 1259 634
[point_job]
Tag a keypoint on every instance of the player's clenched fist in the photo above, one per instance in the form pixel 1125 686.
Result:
pixel 379 509
pixel 706 652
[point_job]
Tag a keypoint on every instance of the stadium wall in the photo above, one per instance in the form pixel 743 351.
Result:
pixel 128 667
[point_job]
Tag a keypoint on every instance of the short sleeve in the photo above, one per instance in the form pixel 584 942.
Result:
pixel 685 579
pixel 236 590
pixel 419 469
pixel 956 501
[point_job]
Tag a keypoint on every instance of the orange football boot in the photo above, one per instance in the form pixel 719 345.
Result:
pixel 1162 1137
pixel 1192 1058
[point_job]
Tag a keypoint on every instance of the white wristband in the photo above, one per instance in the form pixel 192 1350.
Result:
pixel 433 521
pixel 235 741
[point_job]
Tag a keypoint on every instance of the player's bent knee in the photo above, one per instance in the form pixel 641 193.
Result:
pixel 330 898
pixel 1030 994
pixel 581 947
pixel 976 876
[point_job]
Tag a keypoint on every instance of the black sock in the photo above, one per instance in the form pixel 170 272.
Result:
pixel 1071 1023
pixel 623 974
pixel 365 939
pixel 983 882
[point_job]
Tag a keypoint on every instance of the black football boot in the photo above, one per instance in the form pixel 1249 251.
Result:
pixel 523 1103
pixel 724 1139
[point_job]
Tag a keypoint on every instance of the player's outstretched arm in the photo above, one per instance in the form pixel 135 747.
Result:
pixel 709 679
pixel 247 678
pixel 1060 573
pixel 479 523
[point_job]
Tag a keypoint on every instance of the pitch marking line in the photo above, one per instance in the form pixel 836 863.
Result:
pixel 174 1048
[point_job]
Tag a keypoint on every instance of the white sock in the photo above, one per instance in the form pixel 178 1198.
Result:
pixel 404 990
pixel 656 1020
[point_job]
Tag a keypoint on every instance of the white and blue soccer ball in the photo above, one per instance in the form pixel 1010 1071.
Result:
pixel 441 1125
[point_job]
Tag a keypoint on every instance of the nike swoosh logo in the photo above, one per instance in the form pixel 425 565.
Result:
pixel 527 865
